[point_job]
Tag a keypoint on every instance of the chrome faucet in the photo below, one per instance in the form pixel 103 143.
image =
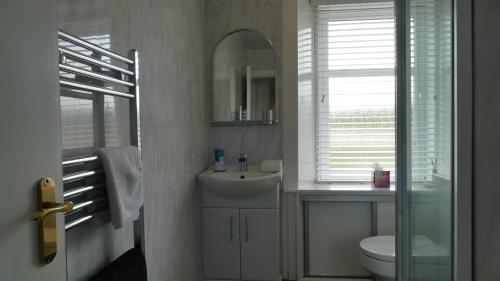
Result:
pixel 243 162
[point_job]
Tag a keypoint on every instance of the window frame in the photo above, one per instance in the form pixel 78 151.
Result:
pixel 318 96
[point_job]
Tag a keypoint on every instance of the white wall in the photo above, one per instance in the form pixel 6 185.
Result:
pixel 306 94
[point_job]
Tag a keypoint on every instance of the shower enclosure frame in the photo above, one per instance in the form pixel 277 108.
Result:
pixel 462 132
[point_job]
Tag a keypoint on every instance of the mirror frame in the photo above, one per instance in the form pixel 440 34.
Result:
pixel 276 86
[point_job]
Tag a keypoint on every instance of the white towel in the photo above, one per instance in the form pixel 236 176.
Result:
pixel 123 168
pixel 270 166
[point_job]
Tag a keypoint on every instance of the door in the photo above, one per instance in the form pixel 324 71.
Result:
pixel 426 201
pixel 221 243
pixel 259 244
pixel 30 135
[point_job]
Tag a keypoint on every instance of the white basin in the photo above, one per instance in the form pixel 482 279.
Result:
pixel 236 184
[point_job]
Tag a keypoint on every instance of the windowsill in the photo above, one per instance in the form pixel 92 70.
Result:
pixel 342 188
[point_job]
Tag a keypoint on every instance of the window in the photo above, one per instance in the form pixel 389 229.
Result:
pixel 81 110
pixel 355 87
pixel 77 125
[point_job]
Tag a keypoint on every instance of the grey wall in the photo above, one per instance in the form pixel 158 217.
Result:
pixel 222 17
pixel 486 139
pixel 169 35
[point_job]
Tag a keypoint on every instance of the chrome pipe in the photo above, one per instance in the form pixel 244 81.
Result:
pixel 81 160
pixel 134 104
pixel 81 86
pixel 82 205
pixel 81 175
pixel 91 74
pixel 135 124
pixel 77 222
pixel 80 190
pixel 82 43
pixel 68 53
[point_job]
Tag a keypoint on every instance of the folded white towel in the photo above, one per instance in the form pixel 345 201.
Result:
pixel 123 168
pixel 270 166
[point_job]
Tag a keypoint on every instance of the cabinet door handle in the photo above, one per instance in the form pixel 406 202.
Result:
pixel 231 228
pixel 246 229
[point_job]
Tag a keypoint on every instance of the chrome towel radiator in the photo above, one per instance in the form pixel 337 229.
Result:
pixel 118 76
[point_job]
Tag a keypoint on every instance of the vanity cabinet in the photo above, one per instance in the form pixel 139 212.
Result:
pixel 259 244
pixel 241 244
pixel 221 243
pixel 241 225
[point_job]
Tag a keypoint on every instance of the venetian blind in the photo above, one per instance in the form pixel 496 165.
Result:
pixel 430 91
pixel 355 65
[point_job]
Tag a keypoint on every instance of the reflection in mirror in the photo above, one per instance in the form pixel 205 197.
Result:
pixel 244 80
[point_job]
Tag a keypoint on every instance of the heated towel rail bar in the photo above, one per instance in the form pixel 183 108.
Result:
pixel 96 71
pixel 84 183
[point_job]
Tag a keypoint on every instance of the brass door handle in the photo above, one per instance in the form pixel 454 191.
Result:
pixel 48 206
pixel 52 208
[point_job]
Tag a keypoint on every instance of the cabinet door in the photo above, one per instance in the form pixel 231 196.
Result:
pixel 221 243
pixel 259 244
pixel 333 231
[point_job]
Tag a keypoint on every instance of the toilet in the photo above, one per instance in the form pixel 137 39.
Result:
pixel 378 255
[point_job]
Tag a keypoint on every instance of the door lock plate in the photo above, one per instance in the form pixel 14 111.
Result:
pixel 46 218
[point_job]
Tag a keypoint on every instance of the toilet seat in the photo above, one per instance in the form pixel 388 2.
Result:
pixel 378 255
pixel 379 247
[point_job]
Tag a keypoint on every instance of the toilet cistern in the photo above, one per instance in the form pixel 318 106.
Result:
pixel 243 162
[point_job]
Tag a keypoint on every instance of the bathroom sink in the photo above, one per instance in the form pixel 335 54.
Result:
pixel 236 184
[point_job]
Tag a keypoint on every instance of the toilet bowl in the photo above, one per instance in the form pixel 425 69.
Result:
pixel 377 255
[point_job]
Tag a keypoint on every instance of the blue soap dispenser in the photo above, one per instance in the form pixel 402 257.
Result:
pixel 219 165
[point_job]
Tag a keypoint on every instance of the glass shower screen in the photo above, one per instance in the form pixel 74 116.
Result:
pixel 428 192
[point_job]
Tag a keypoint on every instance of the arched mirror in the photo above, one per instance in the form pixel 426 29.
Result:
pixel 244 80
